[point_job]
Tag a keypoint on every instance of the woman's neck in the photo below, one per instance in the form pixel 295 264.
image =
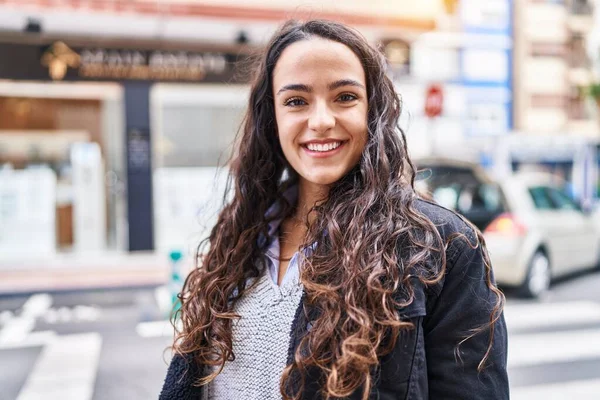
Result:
pixel 309 195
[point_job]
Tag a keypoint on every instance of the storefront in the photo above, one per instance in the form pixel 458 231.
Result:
pixel 89 134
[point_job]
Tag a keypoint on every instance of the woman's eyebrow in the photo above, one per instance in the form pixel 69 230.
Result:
pixel 344 82
pixel 295 87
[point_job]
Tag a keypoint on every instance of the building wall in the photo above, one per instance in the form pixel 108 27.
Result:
pixel 551 67
pixel 214 21
pixel 397 8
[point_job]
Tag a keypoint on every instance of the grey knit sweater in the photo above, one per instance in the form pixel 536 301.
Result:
pixel 261 339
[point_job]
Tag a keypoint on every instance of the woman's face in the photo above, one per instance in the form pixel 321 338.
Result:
pixel 321 109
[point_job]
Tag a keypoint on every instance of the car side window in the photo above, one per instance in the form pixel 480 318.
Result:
pixel 492 197
pixel 446 196
pixel 561 200
pixel 479 198
pixel 541 200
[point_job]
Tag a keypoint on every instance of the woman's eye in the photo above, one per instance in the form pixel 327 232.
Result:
pixel 346 97
pixel 295 102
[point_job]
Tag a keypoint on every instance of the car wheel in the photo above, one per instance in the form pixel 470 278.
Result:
pixel 538 277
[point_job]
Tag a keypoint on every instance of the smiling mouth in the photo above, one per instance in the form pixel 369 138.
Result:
pixel 323 147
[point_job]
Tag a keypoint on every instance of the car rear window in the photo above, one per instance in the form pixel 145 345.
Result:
pixel 550 198
pixel 540 198
pixel 461 190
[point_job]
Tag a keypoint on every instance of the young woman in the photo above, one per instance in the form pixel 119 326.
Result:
pixel 326 276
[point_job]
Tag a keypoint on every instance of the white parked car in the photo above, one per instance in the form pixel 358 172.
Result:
pixel 533 229
pixel 544 234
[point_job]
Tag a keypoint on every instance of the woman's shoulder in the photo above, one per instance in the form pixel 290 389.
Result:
pixel 450 225
pixel 467 265
pixel 447 222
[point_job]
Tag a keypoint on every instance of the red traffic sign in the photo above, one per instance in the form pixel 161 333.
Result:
pixel 434 101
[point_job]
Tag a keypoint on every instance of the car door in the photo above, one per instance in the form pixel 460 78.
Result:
pixel 582 250
pixel 552 226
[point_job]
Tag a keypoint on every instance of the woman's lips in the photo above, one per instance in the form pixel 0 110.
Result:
pixel 319 150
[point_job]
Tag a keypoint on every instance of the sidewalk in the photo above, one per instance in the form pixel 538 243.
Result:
pixel 83 271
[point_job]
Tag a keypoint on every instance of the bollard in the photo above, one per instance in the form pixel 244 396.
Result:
pixel 176 283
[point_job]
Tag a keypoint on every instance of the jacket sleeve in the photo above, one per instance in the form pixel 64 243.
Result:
pixel 464 303
pixel 179 381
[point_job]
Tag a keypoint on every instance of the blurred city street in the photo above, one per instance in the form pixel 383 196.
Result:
pixel 117 118
pixel 111 344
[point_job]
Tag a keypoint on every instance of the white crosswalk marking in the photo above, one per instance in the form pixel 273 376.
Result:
pixel 5 316
pixel 540 315
pixel 155 329
pixel 71 314
pixel 34 339
pixel 544 348
pixel 580 390
pixel 66 369
pixel 534 344
pixel 63 363
pixel 36 305
pixel 15 329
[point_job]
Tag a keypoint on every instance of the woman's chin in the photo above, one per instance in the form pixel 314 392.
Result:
pixel 322 179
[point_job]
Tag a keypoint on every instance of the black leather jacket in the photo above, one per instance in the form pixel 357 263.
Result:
pixel 423 364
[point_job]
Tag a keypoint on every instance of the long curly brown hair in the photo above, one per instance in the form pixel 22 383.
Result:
pixel 371 242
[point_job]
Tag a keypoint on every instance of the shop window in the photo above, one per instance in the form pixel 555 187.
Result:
pixel 195 127
pixel 199 136
pixel 580 7
pixel 37 139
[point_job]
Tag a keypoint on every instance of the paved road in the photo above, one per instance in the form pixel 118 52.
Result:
pixel 83 346
pixel 554 344
pixel 111 345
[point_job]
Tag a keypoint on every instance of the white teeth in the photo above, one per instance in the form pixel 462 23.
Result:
pixel 323 147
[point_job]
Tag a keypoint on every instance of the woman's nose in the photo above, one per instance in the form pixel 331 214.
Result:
pixel 321 118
